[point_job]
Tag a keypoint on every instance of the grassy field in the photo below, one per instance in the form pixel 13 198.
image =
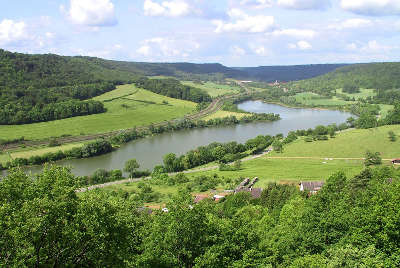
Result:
pixel 29 151
pixel 289 170
pixel 221 114
pixel 214 89
pixel 352 143
pixel 385 108
pixel 316 163
pixel 127 106
pixel 309 98
pixel 364 93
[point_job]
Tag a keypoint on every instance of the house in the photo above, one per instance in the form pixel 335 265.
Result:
pixel 396 161
pixel 312 186
pixel 218 197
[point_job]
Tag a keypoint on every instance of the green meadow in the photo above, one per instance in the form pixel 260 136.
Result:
pixel 222 114
pixel 127 107
pixel 214 89
pixel 348 144
pixel 302 160
pixel 364 93
pixel 312 99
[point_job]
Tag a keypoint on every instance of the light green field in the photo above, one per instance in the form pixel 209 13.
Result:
pixel 315 164
pixel 213 89
pixel 138 111
pixel 364 93
pixel 352 143
pixel 165 191
pixel 289 170
pixel 222 114
pixel 385 108
pixel 28 152
pixel 308 98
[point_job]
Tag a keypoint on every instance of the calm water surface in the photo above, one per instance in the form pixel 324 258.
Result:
pixel 149 151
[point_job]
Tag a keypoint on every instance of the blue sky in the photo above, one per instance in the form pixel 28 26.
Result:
pixel 232 32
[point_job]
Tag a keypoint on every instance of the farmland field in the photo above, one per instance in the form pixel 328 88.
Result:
pixel 28 152
pixel 214 89
pixel 309 98
pixel 351 143
pixel 221 114
pixel 127 107
pixel 364 93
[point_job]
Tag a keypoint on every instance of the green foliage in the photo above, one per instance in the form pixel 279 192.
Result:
pixel 392 136
pixel 351 222
pixel 382 76
pixel 174 89
pixel 131 166
pixel 372 158
pixel 277 146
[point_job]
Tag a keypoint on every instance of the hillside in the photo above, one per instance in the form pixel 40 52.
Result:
pixel 367 75
pixel 288 73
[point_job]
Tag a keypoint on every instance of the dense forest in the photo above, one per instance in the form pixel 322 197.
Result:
pixel 380 76
pixel 350 222
pixel 287 73
pixel 173 88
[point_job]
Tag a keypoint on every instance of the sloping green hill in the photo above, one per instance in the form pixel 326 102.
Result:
pixel 368 75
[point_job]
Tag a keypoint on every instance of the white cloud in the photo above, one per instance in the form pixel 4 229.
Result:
pixel 257 4
pixel 352 24
pixel 144 50
pixel 241 22
pixel 261 50
pixel 372 7
pixel 351 46
pixel 160 47
pixel 174 8
pixel 302 45
pixel 304 4
pixel 373 46
pixel 93 13
pixel 296 33
pixel 237 51
pixel 12 31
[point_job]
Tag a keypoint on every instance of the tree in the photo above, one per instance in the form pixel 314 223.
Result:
pixel 372 158
pixel 131 166
pixel 277 146
pixel 392 136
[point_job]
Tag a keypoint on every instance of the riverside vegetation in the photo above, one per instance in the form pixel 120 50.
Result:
pixel 48 220
pixel 352 220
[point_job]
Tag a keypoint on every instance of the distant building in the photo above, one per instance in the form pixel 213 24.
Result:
pixel 312 186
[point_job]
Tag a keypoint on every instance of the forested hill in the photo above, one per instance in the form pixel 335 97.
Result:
pixel 381 76
pixel 287 73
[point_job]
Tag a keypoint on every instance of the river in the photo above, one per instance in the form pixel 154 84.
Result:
pixel 150 151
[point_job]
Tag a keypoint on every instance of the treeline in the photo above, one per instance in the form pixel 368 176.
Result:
pixel 351 222
pixel 15 113
pixel 382 76
pixel 90 149
pixel 288 73
pixel 30 105
pixel 173 88
pixel 221 152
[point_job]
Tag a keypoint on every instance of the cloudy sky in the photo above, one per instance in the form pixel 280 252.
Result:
pixel 232 32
